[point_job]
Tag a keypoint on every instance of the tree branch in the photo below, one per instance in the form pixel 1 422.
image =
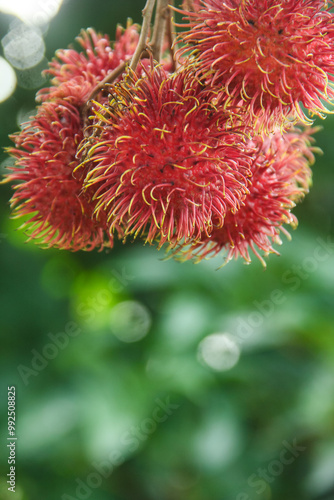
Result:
pixel 161 16
pixel 171 35
pixel 142 43
pixel 110 77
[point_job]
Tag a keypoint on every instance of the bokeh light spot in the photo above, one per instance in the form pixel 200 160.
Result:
pixel 23 46
pixel 130 321
pixel 32 78
pixel 36 12
pixel 8 80
pixel 219 351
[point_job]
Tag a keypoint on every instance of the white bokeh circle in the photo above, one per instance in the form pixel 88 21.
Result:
pixel 219 351
pixel 130 321
pixel 7 81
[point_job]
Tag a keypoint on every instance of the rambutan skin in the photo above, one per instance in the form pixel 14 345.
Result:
pixel 86 69
pixel 47 193
pixel 281 176
pixel 273 55
pixel 57 213
pixel 166 160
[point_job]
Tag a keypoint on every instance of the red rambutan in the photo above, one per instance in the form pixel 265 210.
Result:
pixel 88 68
pixel 46 190
pixel 57 212
pixel 167 160
pixel 281 177
pixel 273 55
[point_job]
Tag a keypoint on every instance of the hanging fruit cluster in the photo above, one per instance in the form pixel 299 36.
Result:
pixel 199 143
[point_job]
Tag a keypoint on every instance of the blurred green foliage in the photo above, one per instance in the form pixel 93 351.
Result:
pixel 99 399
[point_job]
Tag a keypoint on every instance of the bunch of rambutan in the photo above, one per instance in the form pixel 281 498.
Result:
pixel 199 144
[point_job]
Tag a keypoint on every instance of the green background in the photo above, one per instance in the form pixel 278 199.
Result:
pixel 100 397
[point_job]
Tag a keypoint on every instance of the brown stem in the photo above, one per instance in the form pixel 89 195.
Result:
pixel 161 17
pixel 162 14
pixel 171 35
pixel 142 43
pixel 108 79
